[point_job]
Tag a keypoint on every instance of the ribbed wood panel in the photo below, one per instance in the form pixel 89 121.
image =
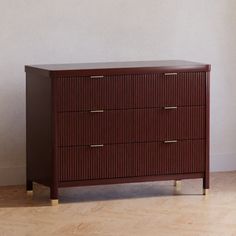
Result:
pixel 124 126
pixel 129 160
pixel 130 91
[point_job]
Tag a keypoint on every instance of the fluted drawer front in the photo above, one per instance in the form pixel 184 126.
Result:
pixel 128 160
pixel 134 125
pixel 130 91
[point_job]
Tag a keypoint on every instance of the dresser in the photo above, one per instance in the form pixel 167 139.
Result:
pixel 108 123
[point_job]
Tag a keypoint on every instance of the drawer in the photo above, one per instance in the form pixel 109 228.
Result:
pixel 130 160
pixel 132 125
pixel 130 91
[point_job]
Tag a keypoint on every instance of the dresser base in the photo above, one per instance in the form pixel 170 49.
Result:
pixel 131 180
pixel 177 183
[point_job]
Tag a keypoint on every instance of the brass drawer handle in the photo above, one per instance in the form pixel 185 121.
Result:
pixel 170 108
pixel 170 74
pixel 96 76
pixel 170 141
pixel 96 145
pixel 97 111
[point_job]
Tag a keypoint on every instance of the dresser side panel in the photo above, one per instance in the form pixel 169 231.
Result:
pixel 207 169
pixel 39 128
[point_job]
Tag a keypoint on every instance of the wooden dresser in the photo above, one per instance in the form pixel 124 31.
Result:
pixel 106 123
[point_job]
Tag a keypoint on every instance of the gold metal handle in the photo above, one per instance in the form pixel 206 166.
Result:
pixel 170 108
pixel 96 76
pixel 96 145
pixel 97 111
pixel 170 74
pixel 170 141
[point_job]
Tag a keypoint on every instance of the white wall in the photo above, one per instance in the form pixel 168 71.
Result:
pixel 63 31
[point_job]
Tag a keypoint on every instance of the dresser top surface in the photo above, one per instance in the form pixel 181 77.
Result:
pixel 132 66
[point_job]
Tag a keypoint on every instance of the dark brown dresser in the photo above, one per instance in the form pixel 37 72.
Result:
pixel 107 123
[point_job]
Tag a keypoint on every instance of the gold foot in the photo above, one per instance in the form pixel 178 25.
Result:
pixel 54 202
pixel 177 183
pixel 29 193
pixel 205 192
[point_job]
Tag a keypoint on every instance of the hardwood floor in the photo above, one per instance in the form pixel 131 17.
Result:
pixel 123 210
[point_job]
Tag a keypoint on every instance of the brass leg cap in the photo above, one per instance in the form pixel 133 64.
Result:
pixel 29 193
pixel 54 202
pixel 205 192
pixel 177 183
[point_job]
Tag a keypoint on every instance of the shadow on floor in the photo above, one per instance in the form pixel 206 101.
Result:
pixel 15 196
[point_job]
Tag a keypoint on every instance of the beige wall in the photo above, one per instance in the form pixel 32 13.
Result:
pixel 62 31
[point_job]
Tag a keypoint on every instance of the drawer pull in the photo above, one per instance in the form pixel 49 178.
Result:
pixel 170 74
pixel 170 108
pixel 96 76
pixel 97 111
pixel 170 141
pixel 96 145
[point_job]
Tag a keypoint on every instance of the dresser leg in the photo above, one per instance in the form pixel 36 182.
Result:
pixel 177 183
pixel 54 195
pixel 54 202
pixel 206 184
pixel 205 192
pixel 29 187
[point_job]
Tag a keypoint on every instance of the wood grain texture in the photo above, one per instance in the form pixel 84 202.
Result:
pixel 123 210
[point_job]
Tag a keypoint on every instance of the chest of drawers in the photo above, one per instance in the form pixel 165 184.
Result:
pixel 106 123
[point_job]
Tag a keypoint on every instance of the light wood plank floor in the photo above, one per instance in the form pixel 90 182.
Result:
pixel 123 210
